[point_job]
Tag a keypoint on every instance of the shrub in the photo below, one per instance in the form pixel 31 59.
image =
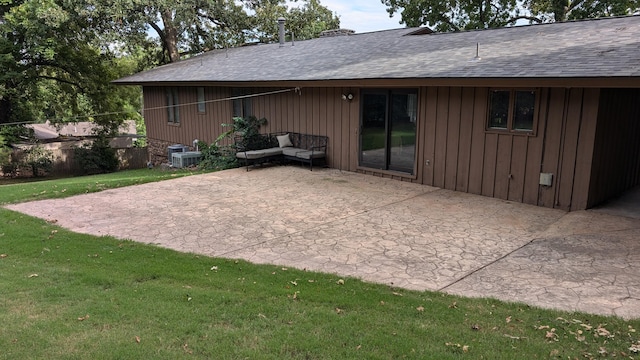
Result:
pixel 220 157
pixel 97 157
pixel 38 159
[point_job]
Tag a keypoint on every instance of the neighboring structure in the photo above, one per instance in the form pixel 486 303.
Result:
pixel 75 134
pixel 543 114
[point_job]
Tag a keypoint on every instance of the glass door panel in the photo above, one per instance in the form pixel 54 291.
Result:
pixel 373 131
pixel 402 124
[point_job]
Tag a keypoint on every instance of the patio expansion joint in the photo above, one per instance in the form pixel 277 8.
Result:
pixel 472 272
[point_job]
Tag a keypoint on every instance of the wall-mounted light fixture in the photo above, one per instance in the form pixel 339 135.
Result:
pixel 348 96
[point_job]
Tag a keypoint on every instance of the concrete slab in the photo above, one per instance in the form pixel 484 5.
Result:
pixel 386 231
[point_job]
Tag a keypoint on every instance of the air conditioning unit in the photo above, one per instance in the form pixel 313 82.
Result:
pixel 177 148
pixel 184 159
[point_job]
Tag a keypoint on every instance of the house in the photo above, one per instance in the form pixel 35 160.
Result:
pixel 542 114
pixel 66 136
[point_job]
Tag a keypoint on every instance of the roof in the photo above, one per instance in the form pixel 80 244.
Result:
pixel 607 47
pixel 47 131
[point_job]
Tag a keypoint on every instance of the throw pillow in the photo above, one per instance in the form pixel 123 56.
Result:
pixel 284 140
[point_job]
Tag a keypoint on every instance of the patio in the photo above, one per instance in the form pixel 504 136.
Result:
pixel 386 231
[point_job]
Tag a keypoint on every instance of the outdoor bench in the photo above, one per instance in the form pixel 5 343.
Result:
pixel 281 147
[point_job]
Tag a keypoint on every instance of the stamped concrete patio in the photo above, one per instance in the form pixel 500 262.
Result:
pixel 379 230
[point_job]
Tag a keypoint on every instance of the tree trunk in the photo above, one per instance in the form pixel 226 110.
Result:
pixel 170 36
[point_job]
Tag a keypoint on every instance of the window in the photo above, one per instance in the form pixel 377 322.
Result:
pixel 242 106
pixel 202 106
pixel 173 105
pixel 512 110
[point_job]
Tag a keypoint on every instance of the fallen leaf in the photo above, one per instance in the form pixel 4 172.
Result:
pixel 33 275
pixel 83 318
pixel 338 310
pixel 294 283
pixel 312 281
pixel 2 256
pixel 138 339
pixel 358 347
pixel 52 221
pixel 542 327
pixel 397 294
pixel 340 282
pixel 475 327
pixel 601 331
pixel 284 269
pixel 382 302
pixel 214 268
pixel 508 319
pixel 420 308
pixel 465 348
pixel 295 295
pixel 454 305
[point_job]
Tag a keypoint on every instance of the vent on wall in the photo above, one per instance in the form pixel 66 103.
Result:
pixel 184 159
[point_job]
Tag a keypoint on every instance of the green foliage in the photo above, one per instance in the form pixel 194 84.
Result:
pixel 7 167
pixel 57 67
pixel 98 157
pixel 457 15
pixel 38 159
pixel 20 190
pixel 217 157
pixel 14 134
pixel 221 154
pixel 305 22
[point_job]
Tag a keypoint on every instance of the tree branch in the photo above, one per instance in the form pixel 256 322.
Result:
pixel 448 21
pixel 54 78
pixel 523 17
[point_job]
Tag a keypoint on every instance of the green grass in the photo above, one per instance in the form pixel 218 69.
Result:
pixel 13 191
pixel 70 296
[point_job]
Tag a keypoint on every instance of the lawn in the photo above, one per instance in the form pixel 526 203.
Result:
pixel 20 190
pixel 70 296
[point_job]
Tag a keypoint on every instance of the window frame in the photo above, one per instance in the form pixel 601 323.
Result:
pixel 244 104
pixel 173 105
pixel 201 99
pixel 510 126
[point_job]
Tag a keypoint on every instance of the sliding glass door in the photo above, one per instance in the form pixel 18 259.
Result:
pixel 388 129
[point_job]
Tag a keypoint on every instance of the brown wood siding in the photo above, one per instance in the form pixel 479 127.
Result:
pixel 507 165
pixel 193 125
pixel 454 148
pixel 616 160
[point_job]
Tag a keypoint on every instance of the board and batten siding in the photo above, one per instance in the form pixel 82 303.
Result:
pixel 461 154
pixel 454 149
pixel 193 125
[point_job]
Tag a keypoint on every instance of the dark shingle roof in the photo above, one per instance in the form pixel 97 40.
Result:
pixel 592 48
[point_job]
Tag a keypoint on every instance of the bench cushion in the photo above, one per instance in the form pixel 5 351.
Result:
pixel 252 154
pixel 307 155
pixel 258 154
pixel 291 151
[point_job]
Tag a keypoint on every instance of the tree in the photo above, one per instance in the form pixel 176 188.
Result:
pixel 304 22
pixel 55 65
pixel 457 15
pixel 183 27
